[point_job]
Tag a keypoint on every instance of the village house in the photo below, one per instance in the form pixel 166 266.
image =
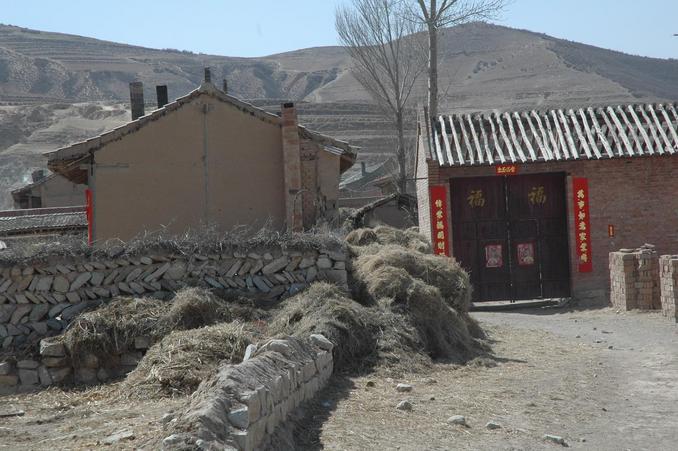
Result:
pixel 205 159
pixel 531 203
pixel 48 191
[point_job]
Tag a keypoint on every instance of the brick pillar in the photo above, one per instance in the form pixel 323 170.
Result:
pixel 292 168
pixel 668 276
pixel 623 280
pixel 634 279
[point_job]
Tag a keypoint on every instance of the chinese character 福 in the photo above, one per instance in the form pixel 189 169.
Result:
pixel 476 199
pixel 537 195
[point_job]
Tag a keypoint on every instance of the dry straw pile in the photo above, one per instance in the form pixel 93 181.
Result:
pixel 111 329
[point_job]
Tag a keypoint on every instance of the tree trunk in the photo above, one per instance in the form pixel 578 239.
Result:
pixel 432 69
pixel 401 154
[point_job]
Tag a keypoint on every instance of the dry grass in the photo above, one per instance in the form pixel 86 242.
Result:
pixel 180 361
pixel 112 328
pixel 324 309
pixel 431 294
pixel 385 271
pixel 384 235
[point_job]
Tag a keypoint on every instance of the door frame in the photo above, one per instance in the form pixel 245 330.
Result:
pixel 564 180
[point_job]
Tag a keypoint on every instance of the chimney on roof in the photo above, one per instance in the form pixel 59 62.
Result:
pixel 161 94
pixel 292 167
pixel 38 175
pixel 208 75
pixel 225 86
pixel 136 95
pixel 363 169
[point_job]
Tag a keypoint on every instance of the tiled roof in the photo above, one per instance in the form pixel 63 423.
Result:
pixel 42 220
pixel 79 152
pixel 588 133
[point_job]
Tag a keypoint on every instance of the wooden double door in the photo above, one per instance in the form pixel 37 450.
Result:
pixel 510 233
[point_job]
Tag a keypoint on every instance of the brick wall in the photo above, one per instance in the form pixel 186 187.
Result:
pixel 668 282
pixel 634 279
pixel 632 194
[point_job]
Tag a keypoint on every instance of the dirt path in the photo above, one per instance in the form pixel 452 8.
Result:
pixel 83 420
pixel 557 375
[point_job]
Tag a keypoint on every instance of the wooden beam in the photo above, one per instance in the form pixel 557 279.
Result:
pixel 561 137
pixel 436 139
pixel 486 142
pixel 653 130
pixel 552 138
pixel 611 128
pixel 467 141
pixel 514 138
pixel 502 158
pixel 540 139
pixel 446 140
pixel 631 131
pixel 505 137
pixel 672 127
pixel 599 132
pixel 660 129
pixel 580 135
pixel 455 138
pixel 568 135
pixel 526 140
pixel 589 134
pixel 641 129
pixel 620 128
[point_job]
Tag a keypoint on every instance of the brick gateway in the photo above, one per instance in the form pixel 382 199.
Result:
pixel 616 165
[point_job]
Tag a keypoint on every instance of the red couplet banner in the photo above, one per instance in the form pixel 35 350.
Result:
pixel 582 223
pixel 439 226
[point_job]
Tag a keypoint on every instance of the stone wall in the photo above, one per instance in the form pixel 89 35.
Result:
pixel 668 276
pixel 40 298
pixel 55 366
pixel 634 278
pixel 243 405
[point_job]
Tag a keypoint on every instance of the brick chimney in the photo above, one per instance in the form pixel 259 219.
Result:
pixel 292 167
pixel 136 95
pixel 363 169
pixel 208 75
pixel 225 86
pixel 161 94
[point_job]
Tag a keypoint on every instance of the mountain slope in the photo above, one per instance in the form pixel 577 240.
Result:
pixel 482 67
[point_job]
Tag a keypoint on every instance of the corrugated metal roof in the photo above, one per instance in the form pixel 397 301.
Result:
pixel 35 222
pixel 619 131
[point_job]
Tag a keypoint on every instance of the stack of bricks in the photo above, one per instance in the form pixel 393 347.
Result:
pixel 634 278
pixel 668 265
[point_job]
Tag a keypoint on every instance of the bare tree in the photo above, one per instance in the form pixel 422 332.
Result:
pixel 438 14
pixel 388 58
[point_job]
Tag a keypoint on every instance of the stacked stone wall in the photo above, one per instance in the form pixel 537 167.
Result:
pixel 244 405
pixel 634 279
pixel 668 274
pixel 39 299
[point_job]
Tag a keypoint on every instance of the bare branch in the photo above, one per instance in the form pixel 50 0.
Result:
pixel 388 56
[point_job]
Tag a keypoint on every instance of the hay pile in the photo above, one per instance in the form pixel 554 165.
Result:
pixel 384 235
pixel 432 292
pixel 112 328
pixel 324 309
pixel 180 361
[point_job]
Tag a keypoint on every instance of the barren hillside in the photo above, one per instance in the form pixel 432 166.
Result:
pixel 47 78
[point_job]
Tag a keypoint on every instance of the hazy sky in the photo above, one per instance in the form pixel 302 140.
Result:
pixel 263 27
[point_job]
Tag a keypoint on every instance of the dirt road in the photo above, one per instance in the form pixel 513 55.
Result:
pixel 598 379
